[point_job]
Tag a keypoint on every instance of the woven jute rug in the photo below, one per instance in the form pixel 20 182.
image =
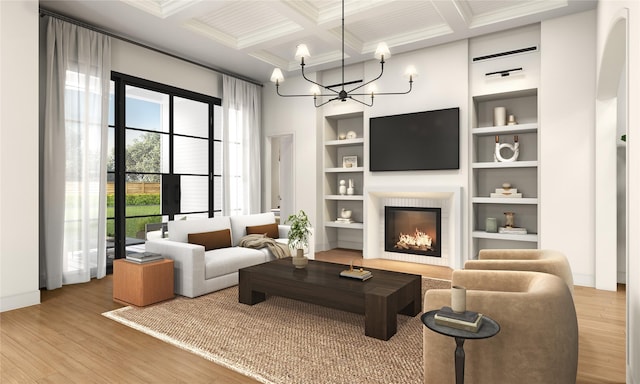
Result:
pixel 283 341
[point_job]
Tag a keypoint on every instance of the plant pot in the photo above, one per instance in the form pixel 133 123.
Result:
pixel 299 260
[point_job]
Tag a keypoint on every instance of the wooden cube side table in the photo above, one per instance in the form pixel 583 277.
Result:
pixel 142 284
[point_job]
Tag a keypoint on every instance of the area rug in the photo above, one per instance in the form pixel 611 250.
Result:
pixel 283 341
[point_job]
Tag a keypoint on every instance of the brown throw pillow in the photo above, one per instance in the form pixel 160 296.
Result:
pixel 211 240
pixel 270 230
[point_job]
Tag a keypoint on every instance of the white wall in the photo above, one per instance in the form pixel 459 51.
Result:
pixel 609 13
pixel 18 154
pixel 295 116
pixel 567 135
pixel 137 61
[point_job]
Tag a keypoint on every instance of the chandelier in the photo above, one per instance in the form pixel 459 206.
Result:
pixel 338 91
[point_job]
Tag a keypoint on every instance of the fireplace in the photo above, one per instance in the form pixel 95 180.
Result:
pixel 413 230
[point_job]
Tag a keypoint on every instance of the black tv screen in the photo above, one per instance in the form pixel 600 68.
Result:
pixel 417 141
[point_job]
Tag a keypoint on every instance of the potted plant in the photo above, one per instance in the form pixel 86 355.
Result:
pixel 299 234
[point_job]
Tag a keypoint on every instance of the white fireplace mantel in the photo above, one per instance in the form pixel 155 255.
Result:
pixel 447 197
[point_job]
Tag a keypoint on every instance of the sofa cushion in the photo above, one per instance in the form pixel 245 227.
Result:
pixel 269 230
pixel 211 240
pixel 223 261
pixel 179 230
pixel 240 223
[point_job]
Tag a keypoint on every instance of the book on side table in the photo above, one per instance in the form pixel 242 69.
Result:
pixel 144 257
pixel 467 321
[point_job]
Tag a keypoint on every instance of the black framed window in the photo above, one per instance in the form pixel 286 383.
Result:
pixel 165 160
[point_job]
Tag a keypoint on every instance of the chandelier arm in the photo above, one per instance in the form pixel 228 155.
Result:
pixel 313 82
pixel 385 93
pixel 362 102
pixel 315 102
pixel 370 81
pixel 304 95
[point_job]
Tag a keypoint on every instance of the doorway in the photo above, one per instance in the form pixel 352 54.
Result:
pixel 282 192
pixel 611 174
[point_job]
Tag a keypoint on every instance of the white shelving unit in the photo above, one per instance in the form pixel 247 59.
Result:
pixel 338 234
pixel 487 175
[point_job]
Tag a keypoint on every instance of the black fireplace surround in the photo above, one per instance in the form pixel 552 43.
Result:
pixel 413 230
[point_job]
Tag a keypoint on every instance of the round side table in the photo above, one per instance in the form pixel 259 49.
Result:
pixel 488 329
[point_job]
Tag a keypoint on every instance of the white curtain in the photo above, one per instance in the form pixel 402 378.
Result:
pixel 241 103
pixel 78 71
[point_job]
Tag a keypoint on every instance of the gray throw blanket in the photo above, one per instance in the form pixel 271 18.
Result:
pixel 258 241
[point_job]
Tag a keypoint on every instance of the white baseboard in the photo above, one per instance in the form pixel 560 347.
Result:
pixel 22 300
pixel 584 280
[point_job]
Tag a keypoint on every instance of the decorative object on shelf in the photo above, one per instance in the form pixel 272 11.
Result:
pixel 509 219
pixel 499 116
pixel 342 136
pixel 512 231
pixel 458 299
pixel 351 135
pixel 299 234
pixel 512 120
pixel 345 216
pixel 342 94
pixel 506 191
pixel 350 187
pixel 515 147
pixel 491 225
pixel 349 161
pixel 343 187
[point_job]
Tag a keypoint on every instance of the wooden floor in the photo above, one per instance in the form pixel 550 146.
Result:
pixel 66 340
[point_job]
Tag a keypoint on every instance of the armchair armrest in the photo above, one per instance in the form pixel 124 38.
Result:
pixel 189 268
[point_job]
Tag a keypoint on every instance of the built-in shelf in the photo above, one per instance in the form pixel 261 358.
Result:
pixel 504 200
pixel 344 197
pixel 529 237
pixel 487 175
pixel 335 224
pixel 511 164
pixel 356 141
pixel 506 129
pixel 335 151
pixel 344 169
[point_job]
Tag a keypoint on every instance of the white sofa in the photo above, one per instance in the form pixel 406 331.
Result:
pixel 197 272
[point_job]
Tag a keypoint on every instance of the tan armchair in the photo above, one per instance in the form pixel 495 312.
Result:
pixel 536 260
pixel 538 338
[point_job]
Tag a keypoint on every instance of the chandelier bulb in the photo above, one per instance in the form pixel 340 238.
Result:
pixel 382 51
pixel 277 76
pixel 302 51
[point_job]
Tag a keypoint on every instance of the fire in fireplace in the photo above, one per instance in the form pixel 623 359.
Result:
pixel 412 230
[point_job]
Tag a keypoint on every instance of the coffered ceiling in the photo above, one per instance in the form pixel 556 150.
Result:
pixel 250 37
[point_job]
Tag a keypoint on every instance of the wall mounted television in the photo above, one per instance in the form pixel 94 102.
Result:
pixel 418 141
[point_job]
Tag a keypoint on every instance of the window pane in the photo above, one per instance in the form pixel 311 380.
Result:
pixel 217 158
pixel 111 152
pixel 112 104
pixel 190 117
pixel 194 193
pixel 191 156
pixel 218 195
pixel 147 152
pixel 136 231
pixel 146 109
pixel 217 122
pixel 142 197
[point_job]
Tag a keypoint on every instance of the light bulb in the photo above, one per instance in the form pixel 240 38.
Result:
pixel 411 72
pixel 382 50
pixel 276 76
pixel 302 51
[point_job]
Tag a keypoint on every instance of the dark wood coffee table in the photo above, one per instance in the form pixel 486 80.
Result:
pixel 379 298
